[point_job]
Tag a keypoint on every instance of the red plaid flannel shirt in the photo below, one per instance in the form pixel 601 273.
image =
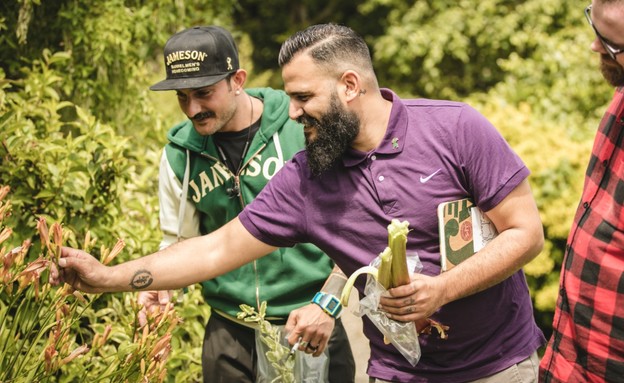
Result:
pixel 587 344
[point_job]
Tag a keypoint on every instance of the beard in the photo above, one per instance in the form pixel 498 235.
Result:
pixel 612 71
pixel 335 132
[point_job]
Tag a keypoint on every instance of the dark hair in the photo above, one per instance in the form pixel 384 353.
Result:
pixel 329 45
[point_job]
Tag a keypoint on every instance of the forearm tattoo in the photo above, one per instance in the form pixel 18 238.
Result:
pixel 142 279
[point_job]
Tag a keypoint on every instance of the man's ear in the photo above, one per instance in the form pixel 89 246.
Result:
pixel 238 79
pixel 351 84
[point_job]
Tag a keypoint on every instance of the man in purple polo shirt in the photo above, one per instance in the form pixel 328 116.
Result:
pixel 371 157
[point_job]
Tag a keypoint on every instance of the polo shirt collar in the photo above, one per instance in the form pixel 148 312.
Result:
pixel 393 140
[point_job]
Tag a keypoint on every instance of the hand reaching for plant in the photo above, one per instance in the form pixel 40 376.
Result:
pixel 81 271
pixel 152 301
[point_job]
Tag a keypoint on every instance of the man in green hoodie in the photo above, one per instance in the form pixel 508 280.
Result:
pixel 216 162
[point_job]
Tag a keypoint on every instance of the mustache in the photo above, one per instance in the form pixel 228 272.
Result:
pixel 307 121
pixel 202 115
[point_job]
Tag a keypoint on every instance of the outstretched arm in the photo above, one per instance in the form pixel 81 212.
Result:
pixel 179 265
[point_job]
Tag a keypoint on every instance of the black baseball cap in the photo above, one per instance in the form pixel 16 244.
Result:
pixel 198 57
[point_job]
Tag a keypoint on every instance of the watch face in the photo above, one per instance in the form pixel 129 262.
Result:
pixel 331 305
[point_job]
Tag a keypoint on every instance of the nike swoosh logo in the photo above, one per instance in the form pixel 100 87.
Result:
pixel 425 179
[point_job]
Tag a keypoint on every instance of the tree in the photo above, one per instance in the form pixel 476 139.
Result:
pixel 266 37
pixel 73 101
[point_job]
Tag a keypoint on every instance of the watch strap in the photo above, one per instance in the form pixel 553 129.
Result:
pixel 329 303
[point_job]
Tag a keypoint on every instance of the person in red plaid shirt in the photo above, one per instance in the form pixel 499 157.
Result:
pixel 587 344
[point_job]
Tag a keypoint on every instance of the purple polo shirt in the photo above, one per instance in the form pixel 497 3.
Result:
pixel 432 152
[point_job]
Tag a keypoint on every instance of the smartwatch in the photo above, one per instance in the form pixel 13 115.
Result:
pixel 329 303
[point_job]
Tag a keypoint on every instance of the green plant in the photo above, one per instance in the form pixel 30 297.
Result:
pixel 43 336
pixel 278 354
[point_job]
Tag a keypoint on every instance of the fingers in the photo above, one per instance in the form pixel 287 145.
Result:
pixel 316 347
pixel 152 298
pixel 164 297
pixel 411 302
pixel 64 272
pixel 69 252
pixel 399 302
pixel 55 277
pixel 82 271
pixel 406 315
pixel 404 305
pixel 399 292
pixel 142 317
pixel 311 327
pixel 313 349
pixel 152 301
pixel 291 337
pixel 404 309
pixel 145 299
pixel 71 258
pixel 71 278
pixel 309 347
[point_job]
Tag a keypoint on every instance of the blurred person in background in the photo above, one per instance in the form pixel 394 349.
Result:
pixel 587 344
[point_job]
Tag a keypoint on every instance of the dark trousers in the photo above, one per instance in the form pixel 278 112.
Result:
pixel 229 353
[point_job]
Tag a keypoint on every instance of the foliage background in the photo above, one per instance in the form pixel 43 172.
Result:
pixel 80 134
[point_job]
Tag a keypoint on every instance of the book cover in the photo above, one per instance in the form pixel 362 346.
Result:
pixel 464 230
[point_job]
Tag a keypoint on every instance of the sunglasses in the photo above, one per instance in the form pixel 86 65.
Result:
pixel 611 50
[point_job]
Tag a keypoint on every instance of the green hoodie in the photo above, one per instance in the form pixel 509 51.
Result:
pixel 288 278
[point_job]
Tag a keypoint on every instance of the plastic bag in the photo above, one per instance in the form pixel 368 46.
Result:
pixel 307 368
pixel 402 335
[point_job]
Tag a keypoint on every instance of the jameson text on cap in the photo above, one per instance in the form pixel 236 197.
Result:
pixel 198 57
